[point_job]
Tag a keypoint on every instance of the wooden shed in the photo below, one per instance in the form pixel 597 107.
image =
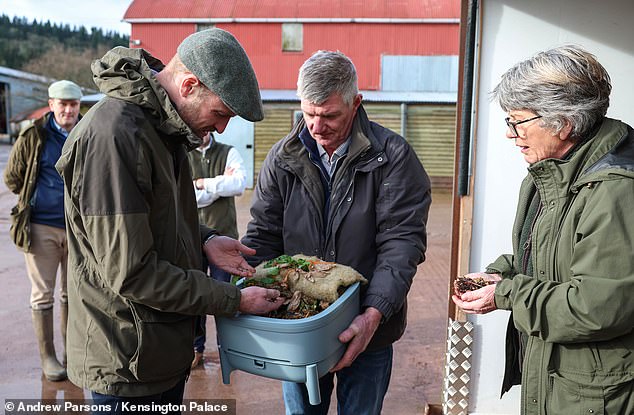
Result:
pixel 427 121
pixel 20 93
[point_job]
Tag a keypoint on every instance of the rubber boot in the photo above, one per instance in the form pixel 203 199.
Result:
pixel 63 315
pixel 43 325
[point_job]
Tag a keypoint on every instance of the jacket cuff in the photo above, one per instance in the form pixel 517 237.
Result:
pixel 206 232
pixel 227 299
pixel 502 296
pixel 373 300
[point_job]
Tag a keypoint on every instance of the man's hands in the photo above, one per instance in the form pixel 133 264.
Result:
pixel 358 334
pixel 226 253
pixel 479 301
pixel 199 183
pixel 258 300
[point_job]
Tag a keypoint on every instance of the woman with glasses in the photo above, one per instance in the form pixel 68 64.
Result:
pixel 569 282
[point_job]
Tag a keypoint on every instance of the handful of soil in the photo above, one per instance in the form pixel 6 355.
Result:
pixel 309 284
pixel 296 305
pixel 464 284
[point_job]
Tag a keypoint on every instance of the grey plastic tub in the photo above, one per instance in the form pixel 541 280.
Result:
pixel 301 350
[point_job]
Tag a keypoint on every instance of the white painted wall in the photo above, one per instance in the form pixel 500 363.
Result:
pixel 513 30
pixel 240 134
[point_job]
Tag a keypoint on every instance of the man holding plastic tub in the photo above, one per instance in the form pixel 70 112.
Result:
pixel 347 190
pixel 135 245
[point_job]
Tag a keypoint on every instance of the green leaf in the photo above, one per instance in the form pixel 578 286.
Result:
pixel 267 280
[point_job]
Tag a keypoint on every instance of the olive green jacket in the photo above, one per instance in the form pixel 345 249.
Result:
pixel 577 310
pixel 134 283
pixel 20 176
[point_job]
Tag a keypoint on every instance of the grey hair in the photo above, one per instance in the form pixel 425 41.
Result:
pixel 326 73
pixel 564 84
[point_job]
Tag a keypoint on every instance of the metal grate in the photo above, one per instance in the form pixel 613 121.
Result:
pixel 457 368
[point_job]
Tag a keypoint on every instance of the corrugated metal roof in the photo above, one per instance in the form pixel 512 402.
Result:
pixel 283 95
pixel 14 73
pixel 315 10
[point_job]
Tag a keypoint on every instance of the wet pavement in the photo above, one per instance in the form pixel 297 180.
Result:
pixel 418 356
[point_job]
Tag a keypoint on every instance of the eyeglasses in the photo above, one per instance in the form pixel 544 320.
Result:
pixel 513 124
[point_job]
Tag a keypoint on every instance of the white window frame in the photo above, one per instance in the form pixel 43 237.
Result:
pixel 292 37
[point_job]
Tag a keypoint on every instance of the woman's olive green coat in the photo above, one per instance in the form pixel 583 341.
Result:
pixel 578 308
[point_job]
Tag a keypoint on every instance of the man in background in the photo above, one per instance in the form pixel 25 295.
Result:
pixel 219 176
pixel 38 227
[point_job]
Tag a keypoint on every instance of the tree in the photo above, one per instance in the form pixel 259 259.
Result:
pixel 37 47
pixel 59 62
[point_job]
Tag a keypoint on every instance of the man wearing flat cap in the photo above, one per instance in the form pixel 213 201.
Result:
pixel 135 244
pixel 38 226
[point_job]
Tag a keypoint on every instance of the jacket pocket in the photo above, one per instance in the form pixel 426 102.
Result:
pixel 612 396
pixel 569 397
pixel 164 344
pixel 20 227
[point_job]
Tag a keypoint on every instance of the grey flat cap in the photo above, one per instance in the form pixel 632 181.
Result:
pixel 218 60
pixel 64 90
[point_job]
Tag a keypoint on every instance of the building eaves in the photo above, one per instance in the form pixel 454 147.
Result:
pixel 289 95
pixel 14 73
pixel 214 20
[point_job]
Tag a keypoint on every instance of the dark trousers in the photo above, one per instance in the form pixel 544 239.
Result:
pixel 360 387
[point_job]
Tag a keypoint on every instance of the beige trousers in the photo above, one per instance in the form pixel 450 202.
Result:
pixel 49 252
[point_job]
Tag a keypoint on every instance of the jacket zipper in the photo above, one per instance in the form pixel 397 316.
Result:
pixel 528 245
pixel 331 217
pixel 320 208
pixel 354 174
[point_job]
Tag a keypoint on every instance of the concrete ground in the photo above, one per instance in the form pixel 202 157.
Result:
pixel 419 355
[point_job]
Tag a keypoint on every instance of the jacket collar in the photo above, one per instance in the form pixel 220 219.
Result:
pixel 620 155
pixel 128 75
pixel 362 139
pixel 613 140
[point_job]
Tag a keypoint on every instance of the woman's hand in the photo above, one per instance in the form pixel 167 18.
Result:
pixel 480 301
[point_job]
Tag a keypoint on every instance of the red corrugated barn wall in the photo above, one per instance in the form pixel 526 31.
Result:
pixel 160 39
pixel 364 43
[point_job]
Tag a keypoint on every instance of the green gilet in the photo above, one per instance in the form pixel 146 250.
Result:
pixel 221 214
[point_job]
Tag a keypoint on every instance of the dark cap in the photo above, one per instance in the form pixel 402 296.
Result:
pixel 218 60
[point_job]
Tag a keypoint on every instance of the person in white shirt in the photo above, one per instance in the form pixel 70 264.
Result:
pixel 218 176
pixel 210 186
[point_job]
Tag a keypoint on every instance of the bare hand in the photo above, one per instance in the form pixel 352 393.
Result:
pixel 229 171
pixel 358 334
pixel 480 301
pixel 484 276
pixel 258 300
pixel 226 253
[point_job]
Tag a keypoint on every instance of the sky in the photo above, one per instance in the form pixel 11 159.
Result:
pixel 106 14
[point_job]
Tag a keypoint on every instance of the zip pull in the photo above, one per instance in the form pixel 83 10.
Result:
pixel 528 242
